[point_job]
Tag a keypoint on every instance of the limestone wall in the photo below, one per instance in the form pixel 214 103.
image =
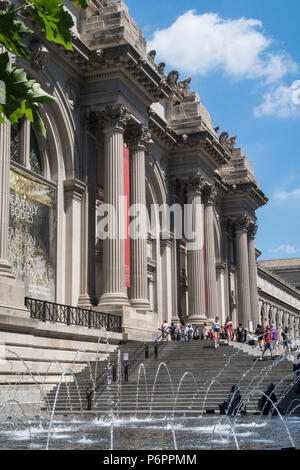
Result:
pixel 34 355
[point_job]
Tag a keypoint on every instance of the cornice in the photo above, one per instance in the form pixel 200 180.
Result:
pixel 75 188
pixel 278 303
pixel 279 280
pixel 161 129
pixel 251 190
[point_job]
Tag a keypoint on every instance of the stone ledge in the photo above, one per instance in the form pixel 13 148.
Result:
pixel 15 323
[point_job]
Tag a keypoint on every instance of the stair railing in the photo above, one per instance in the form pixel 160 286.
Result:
pixel 97 386
pixel 57 313
pixel 129 366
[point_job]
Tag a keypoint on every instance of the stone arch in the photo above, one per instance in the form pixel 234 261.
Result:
pixel 277 320
pixel 273 315
pixel 297 329
pixel 292 326
pixel 285 318
pixel 59 155
pixel 156 193
pixel 61 146
pixel 270 314
pixel 262 314
pixel 260 308
pixel 217 238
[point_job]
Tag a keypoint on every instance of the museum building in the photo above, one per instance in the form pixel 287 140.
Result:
pixel 124 129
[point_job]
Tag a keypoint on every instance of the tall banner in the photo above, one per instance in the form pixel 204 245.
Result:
pixel 127 202
pixel 32 234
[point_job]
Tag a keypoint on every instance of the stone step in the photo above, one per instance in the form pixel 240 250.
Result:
pixel 227 365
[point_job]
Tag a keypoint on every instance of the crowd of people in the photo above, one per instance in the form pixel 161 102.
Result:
pixel 179 332
pixel 265 339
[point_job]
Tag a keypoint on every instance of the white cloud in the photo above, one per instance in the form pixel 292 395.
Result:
pixel 282 101
pixel 287 249
pixel 287 196
pixel 199 44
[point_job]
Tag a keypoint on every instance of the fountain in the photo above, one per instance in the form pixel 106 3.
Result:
pixel 136 429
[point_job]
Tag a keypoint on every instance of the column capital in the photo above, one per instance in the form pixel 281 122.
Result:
pixel 221 266
pixel 75 188
pixel 243 223
pixel 115 116
pixel 176 188
pixel 138 136
pixel 210 194
pixel 253 228
pixel 196 184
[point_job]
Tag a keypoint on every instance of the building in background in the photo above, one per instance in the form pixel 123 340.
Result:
pixel 287 269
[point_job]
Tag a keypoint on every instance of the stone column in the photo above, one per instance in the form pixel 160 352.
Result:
pixel 221 276
pixel 114 118
pixel 5 268
pixel 195 258
pixel 253 275
pixel 227 292
pixel 139 138
pixel 74 190
pixel 242 264
pixel 176 196
pixel 12 292
pixel 87 222
pixel 210 256
pixel 166 284
pixel 25 143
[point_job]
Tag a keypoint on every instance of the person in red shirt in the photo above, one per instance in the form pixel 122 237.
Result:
pixel 268 342
pixel 229 330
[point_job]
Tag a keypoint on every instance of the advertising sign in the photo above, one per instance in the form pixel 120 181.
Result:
pixel 32 234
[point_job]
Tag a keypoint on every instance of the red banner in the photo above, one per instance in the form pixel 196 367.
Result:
pixel 127 201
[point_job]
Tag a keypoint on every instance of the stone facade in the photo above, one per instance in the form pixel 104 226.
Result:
pixel 287 269
pixel 112 95
pixel 279 302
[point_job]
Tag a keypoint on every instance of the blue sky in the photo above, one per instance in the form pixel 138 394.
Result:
pixel 244 58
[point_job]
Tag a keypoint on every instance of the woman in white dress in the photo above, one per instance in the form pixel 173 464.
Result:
pixel 217 331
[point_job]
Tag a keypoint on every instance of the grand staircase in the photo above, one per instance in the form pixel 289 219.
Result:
pixel 209 375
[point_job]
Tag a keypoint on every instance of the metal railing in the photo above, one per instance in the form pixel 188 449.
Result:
pixel 57 313
pixel 129 366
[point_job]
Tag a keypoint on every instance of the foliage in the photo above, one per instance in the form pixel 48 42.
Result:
pixel 20 95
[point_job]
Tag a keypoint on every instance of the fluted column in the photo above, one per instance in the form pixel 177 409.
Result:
pixel 139 137
pixel 25 147
pixel 5 268
pixel 74 190
pixel 210 255
pixel 242 264
pixel 195 258
pixel 114 118
pixel 253 275
pixel 87 222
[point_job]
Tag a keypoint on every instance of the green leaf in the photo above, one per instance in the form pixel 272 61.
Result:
pixel 12 31
pixel 54 21
pixel 22 95
pixel 38 123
